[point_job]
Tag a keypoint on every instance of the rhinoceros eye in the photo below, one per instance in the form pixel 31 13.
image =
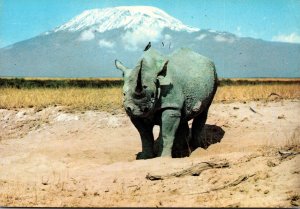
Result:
pixel 145 87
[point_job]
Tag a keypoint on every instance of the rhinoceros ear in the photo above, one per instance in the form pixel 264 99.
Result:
pixel 162 74
pixel 121 67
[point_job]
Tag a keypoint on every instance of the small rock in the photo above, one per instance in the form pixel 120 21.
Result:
pixel 235 205
pixel 295 199
pixel 271 164
pixel 266 191
pixel 21 115
pixel 66 117
pixel 244 119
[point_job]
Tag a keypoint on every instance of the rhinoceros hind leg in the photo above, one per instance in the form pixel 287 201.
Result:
pixel 158 145
pixel 181 147
pixel 197 127
pixel 144 156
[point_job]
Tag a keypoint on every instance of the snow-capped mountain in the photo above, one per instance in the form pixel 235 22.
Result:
pixel 134 17
pixel 141 23
pixel 88 44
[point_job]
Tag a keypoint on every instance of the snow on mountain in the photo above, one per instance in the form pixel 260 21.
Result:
pixel 129 17
pixel 135 20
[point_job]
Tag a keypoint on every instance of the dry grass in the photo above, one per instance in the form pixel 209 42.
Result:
pixel 110 99
pixel 257 92
pixel 73 98
pixel 262 79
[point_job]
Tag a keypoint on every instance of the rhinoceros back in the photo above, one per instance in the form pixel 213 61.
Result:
pixel 196 75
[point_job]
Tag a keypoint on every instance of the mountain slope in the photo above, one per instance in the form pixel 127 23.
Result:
pixel 88 44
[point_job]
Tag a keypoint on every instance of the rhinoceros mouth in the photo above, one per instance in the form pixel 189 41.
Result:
pixel 138 115
pixel 137 111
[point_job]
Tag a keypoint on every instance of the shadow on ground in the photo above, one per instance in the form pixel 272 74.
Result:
pixel 211 134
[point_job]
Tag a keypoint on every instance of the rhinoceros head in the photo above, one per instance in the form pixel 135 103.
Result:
pixel 141 84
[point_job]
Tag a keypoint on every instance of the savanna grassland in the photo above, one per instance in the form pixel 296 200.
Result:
pixel 106 94
pixel 68 143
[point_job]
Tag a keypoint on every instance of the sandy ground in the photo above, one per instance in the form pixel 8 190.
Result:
pixel 51 157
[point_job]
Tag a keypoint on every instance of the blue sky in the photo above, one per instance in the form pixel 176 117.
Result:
pixel 273 20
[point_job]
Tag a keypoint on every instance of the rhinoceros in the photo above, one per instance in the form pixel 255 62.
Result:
pixel 169 90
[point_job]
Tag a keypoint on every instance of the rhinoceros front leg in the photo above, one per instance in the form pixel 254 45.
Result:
pixel 145 129
pixel 170 121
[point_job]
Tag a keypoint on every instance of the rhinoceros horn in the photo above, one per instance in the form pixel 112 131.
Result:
pixel 139 87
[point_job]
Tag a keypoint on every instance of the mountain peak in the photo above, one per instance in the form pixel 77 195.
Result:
pixel 128 17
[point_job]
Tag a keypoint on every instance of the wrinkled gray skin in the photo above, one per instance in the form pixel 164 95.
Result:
pixel 169 91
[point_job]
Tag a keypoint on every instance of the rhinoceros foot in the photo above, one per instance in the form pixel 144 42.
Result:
pixel 181 153
pixel 144 155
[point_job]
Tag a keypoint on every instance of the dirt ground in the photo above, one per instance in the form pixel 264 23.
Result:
pixel 50 157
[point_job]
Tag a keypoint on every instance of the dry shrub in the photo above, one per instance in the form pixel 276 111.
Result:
pixel 293 143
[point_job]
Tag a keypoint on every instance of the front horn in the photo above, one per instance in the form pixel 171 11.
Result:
pixel 139 87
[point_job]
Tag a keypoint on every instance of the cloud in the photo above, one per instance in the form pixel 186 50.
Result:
pixel 2 43
pixel 201 36
pixel 138 38
pixel 220 38
pixel 5 45
pixel 290 38
pixel 238 31
pixel 168 37
pixel 106 44
pixel 86 35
